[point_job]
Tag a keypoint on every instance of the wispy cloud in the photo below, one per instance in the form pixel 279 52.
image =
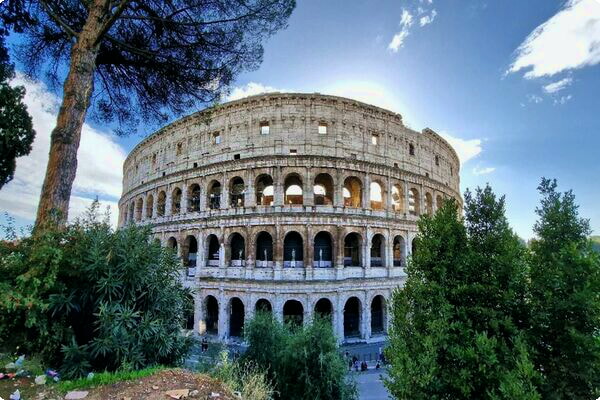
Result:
pixel 569 40
pixel 534 98
pixel 251 89
pixel 467 149
pixel 562 100
pixel 483 171
pixel 100 162
pixel 557 86
pixel 407 18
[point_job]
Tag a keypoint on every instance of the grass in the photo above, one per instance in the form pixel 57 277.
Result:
pixel 107 378
pixel 32 365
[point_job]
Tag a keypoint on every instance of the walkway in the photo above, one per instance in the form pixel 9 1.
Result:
pixel 370 386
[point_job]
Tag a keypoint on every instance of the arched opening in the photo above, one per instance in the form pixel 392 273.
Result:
pixel 236 192
pixel 264 250
pixel 161 204
pixel 211 315
pixel 352 318
pixel 213 251
pixel 377 250
pixel 439 202
pixel 376 196
pixel 190 254
pixel 323 250
pixel 352 243
pixel 352 192
pixel 397 198
pixel 131 211
pixel 378 315
pixel 139 207
pixel 149 206
pixel 236 317
pixel 264 190
pixel 293 313
pixel 238 249
pixel 194 198
pixel 172 244
pixel 293 189
pixel 125 215
pixel 188 312
pixel 413 202
pixel 399 251
pixel 428 204
pixel 324 308
pixel 176 201
pixel 214 195
pixel 293 250
pixel 323 190
pixel 414 246
pixel 264 305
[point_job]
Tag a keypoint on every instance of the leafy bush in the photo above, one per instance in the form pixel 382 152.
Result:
pixel 302 362
pixel 87 297
pixel 246 378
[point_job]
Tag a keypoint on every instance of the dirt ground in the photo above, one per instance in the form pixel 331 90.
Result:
pixel 149 388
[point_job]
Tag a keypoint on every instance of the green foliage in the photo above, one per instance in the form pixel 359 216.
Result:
pixel 87 297
pixel 244 377
pixel 16 127
pixel 565 302
pixel 302 362
pixel 106 378
pixel 456 323
pixel 595 243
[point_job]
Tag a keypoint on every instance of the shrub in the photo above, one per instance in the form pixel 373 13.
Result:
pixel 87 297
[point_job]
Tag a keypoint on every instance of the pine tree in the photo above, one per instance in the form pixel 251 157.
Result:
pixel 456 323
pixel 565 299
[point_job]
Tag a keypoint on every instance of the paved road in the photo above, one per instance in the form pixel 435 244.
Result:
pixel 370 386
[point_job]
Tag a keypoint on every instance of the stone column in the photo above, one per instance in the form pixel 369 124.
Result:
pixel 198 316
pixel 366 249
pixel 308 198
pixel 203 195
pixel 155 204
pixel 338 319
pixel 249 195
pixel 309 251
pixel 168 200
pixel 366 193
pixel 421 200
pixel 278 187
pixel 224 192
pixel 406 198
pixel 223 317
pixel 338 189
pixel 389 252
pixel 366 318
pixel 184 198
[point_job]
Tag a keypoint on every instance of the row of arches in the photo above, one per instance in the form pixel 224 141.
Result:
pixel 294 313
pixel 323 193
pixel 293 250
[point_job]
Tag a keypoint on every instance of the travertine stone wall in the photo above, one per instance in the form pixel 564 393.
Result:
pixel 349 181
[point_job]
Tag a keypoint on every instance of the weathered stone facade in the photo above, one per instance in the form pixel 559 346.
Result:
pixel 299 203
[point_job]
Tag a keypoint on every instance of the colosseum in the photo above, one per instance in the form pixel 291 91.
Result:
pixel 292 203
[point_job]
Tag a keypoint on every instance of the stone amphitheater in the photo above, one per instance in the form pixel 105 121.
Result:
pixel 292 203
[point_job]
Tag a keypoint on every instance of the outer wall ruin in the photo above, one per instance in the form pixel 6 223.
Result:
pixel 293 203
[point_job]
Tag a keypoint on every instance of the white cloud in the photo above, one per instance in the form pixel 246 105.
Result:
pixel 100 162
pixel 557 86
pixel 562 100
pixel 483 171
pixel 568 40
pixel 251 89
pixel 406 21
pixel 467 149
pixel 427 19
pixel 534 98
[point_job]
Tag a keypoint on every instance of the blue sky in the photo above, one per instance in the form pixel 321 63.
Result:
pixel 514 85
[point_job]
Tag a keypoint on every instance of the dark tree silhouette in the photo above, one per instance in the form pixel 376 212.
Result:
pixel 140 61
pixel 16 128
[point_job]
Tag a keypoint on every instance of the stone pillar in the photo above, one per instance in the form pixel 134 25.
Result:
pixel 224 192
pixel 365 318
pixel 223 317
pixel 421 201
pixel 199 328
pixel 406 198
pixel 250 194
pixel 309 251
pixel 278 308
pixel 155 203
pixel 338 319
pixel 308 312
pixel 389 252
pixel 338 189
pixel 203 195
pixel 278 187
pixel 308 197
pixel 366 193
pixel 184 198
pixel 366 249
pixel 168 200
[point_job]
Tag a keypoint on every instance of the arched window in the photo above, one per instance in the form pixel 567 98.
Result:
pixel 428 204
pixel 376 196
pixel 190 254
pixel 211 315
pixel 194 198
pixel 439 202
pixel 264 250
pixel 172 244
pixel 293 313
pixel 131 211
pixel 323 190
pixel 324 308
pixel 149 206
pixel 352 317
pixel 236 317
pixel 214 195
pixel 378 315
pixel 323 250
pixel 236 192
pixel 293 189
pixel 139 207
pixel 352 192
pixel 377 250
pixel 352 243
pixel 397 198
pixel 212 251
pixel 293 250
pixel 413 202
pixel 161 204
pixel 238 249
pixel 263 305
pixel 264 190
pixel 176 201
pixel 399 256
pixel 411 149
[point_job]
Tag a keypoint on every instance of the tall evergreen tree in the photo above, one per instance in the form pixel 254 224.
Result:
pixel 455 324
pixel 565 299
pixel 16 127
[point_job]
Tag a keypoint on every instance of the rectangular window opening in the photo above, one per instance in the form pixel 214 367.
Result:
pixel 216 138
pixel 322 128
pixel 374 139
pixel 236 156
pixel 293 152
pixel 264 128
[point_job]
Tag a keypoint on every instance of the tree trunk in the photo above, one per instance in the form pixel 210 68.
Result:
pixel 53 209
